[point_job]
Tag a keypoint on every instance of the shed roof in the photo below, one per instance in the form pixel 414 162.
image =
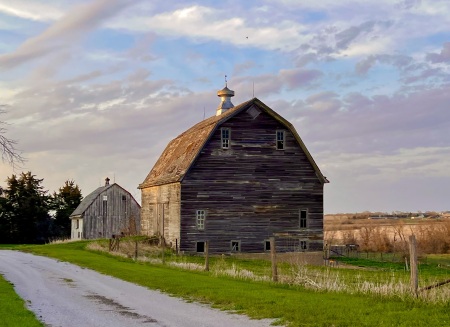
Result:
pixel 182 151
pixel 88 200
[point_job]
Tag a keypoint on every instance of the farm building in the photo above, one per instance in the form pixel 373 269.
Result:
pixel 109 210
pixel 235 180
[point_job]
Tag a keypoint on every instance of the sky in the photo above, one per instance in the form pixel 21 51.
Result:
pixel 97 88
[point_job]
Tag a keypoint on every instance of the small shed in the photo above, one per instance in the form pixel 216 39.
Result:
pixel 109 210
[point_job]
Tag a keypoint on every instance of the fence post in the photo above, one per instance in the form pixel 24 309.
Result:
pixel 273 257
pixel 135 250
pixel 413 264
pixel 206 255
pixel 110 244
pixel 163 246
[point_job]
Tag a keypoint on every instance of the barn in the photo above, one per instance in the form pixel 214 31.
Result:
pixel 107 211
pixel 235 180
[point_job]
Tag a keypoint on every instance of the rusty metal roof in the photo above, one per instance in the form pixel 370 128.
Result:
pixel 182 151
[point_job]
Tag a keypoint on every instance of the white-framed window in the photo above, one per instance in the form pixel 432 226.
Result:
pixel 235 246
pixel 303 218
pixel 225 137
pixel 281 137
pixel 200 219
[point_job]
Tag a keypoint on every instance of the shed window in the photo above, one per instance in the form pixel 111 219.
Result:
pixel 78 223
pixel 235 246
pixel 281 136
pixel 266 245
pixel 225 132
pixel 200 218
pixel 105 206
pixel 303 218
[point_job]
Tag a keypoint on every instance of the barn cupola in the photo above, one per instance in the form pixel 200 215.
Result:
pixel 225 95
pixel 107 181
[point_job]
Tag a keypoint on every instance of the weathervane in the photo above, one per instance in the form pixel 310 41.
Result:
pixel 226 80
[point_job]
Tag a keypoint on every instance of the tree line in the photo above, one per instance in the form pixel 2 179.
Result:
pixel 29 214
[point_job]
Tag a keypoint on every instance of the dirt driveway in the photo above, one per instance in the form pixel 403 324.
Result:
pixel 65 295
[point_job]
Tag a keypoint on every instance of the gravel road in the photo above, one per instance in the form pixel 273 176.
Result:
pixel 65 295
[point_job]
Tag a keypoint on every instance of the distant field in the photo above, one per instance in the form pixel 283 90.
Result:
pixel 342 229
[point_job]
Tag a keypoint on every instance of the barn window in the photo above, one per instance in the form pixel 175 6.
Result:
pixel 225 137
pixel 253 112
pixel 78 223
pixel 200 247
pixel 303 218
pixel 266 245
pixel 235 246
pixel 200 218
pixel 124 198
pixel 281 136
pixel 303 245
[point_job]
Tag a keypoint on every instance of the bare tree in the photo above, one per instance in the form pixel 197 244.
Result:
pixel 10 153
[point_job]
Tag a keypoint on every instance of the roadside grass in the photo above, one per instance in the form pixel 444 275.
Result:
pixel 373 275
pixel 13 312
pixel 289 305
pixel 9 246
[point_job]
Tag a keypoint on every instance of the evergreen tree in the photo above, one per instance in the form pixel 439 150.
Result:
pixel 24 214
pixel 64 203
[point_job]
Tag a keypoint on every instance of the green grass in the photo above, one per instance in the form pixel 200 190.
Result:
pixel 12 308
pixel 290 305
pixel 8 246
pixel 431 269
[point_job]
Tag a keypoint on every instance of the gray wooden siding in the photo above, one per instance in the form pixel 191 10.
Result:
pixel 100 221
pixel 251 190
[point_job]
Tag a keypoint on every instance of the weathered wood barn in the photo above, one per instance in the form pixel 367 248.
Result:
pixel 109 210
pixel 235 180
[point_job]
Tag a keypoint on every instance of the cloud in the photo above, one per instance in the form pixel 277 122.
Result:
pixel 243 67
pixel 324 102
pixel 267 84
pixel 345 37
pixel 190 22
pixel 398 61
pixel 64 33
pixel 295 78
pixel 364 124
pixel 441 57
pixel 31 10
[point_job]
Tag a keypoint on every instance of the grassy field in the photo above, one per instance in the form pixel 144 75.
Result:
pixel 12 308
pixel 289 303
